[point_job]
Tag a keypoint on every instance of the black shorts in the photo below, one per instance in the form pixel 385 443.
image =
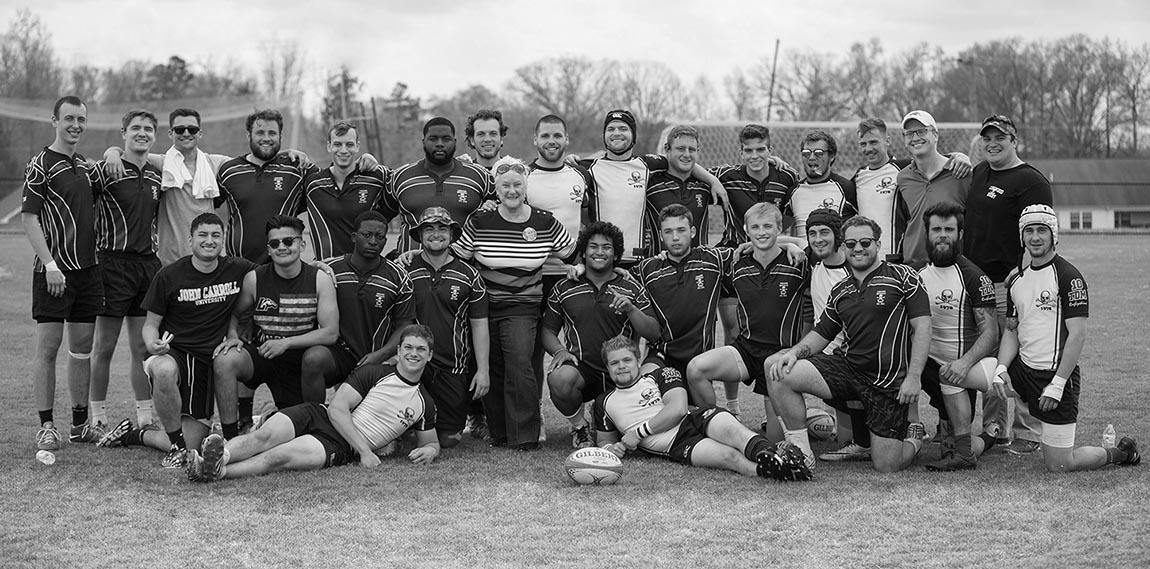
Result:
pixel 311 419
pixel 196 383
pixel 1029 383
pixel 692 430
pixel 281 374
pixel 753 356
pixel 345 363
pixel 126 282
pixel 82 301
pixel 452 395
pixel 885 416
pixel 932 387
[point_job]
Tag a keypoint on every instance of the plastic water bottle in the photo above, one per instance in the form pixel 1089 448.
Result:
pixel 1108 436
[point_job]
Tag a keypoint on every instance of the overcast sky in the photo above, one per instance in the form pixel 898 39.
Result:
pixel 440 46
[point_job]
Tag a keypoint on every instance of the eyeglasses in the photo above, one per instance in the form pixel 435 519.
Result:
pixel 287 241
pixel 916 133
pixel 186 129
pixel 866 243
pixel 369 235
pixel 818 153
pixel 512 166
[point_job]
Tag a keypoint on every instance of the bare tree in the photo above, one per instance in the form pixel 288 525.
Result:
pixel 701 102
pixel 1132 82
pixel 741 94
pixel 575 88
pixel 282 69
pixel 27 60
pixel 809 87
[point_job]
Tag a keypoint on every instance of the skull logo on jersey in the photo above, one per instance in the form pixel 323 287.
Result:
pixel 699 200
pixel 380 298
pixel 829 203
pixel 649 397
pixel 406 417
pixel 462 195
pixel 1045 300
pixel 454 292
pixel 279 183
pixel 700 282
pixel 637 181
pixel 880 298
pixel 784 287
pixel 576 193
pixel 946 300
pixel 885 186
pixel 363 196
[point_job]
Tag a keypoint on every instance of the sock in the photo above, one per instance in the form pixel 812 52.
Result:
pixel 1115 456
pixel 988 440
pixel 245 409
pixel 799 438
pixel 79 415
pixel 860 433
pixel 46 418
pixel 144 410
pixel 756 446
pixel 177 438
pixel 732 405
pixel 230 430
pixel 577 419
pixel 134 437
pixel 99 412
pixel 962 445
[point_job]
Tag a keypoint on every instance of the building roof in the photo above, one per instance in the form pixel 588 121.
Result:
pixel 1105 183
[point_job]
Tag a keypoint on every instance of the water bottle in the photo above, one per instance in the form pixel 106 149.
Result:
pixel 1108 436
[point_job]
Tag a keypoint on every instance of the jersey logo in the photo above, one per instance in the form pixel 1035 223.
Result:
pixel 363 196
pixel 698 200
pixel 279 183
pixel 577 193
pixel 636 181
pixel 1077 295
pixel 454 292
pixel 1045 300
pixel 266 304
pixel 380 298
pixel 406 417
pixel 986 287
pixel 880 298
pixel 700 282
pixel 155 193
pixel 462 195
pixel 829 203
pixel 994 191
pixel 529 234
pixel 885 186
pixel 649 397
pixel 783 288
pixel 946 300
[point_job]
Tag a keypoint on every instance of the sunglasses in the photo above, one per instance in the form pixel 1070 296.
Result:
pixel 186 129
pixel 514 167
pixel 287 241
pixel 866 243
pixel 818 153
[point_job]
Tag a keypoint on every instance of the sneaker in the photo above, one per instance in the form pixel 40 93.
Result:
pixel 527 447
pixel 954 462
pixel 785 462
pixel 1022 447
pixel 175 458
pixel 1129 446
pixel 916 432
pixel 48 438
pixel 848 452
pixel 86 433
pixel 214 456
pixel 194 466
pixel 115 436
pixel 581 437
pixel 477 427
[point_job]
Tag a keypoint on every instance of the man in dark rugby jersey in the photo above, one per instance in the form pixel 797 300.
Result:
pixel 678 185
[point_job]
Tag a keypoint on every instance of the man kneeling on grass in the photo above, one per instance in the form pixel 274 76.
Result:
pixel 376 405
pixel 650 411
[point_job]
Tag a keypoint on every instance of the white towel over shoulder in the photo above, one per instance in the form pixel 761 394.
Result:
pixel 176 174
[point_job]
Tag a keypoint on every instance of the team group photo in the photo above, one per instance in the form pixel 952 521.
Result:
pixel 540 328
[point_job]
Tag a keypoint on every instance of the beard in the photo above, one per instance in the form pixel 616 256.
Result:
pixel 259 151
pixel 942 256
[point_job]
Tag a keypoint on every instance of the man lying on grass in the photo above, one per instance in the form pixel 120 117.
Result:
pixel 650 411
pixel 376 405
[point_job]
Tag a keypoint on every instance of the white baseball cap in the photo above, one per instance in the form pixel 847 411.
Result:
pixel 920 116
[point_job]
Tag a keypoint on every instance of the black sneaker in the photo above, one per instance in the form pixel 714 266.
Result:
pixel 1129 446
pixel 214 455
pixel 476 426
pixel 581 437
pixel 527 447
pixel 786 462
pixel 954 462
pixel 115 436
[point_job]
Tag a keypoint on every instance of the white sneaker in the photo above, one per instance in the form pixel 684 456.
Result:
pixel 848 452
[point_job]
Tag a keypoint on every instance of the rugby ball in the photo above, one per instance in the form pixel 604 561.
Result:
pixel 820 424
pixel 593 466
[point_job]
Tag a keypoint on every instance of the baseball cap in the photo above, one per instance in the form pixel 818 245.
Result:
pixel 920 116
pixel 434 215
pixel 1002 122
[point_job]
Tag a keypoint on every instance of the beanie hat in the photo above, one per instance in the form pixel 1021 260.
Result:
pixel 829 218
pixel 1038 214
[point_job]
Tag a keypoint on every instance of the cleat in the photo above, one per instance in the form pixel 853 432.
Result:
pixel 785 462
pixel 954 462
pixel 581 437
pixel 115 436
pixel 848 452
pixel 1022 447
pixel 194 466
pixel 1129 446
pixel 86 433
pixel 48 438
pixel 175 458
pixel 214 456
pixel 477 426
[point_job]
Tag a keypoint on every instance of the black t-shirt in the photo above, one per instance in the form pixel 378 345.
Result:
pixel 993 206
pixel 196 306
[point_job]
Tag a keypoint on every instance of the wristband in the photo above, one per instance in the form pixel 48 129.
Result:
pixel 1059 382
pixel 1001 369
pixel 51 266
pixel 644 430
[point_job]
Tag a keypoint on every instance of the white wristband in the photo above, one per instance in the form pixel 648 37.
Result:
pixel 1059 382
pixel 51 266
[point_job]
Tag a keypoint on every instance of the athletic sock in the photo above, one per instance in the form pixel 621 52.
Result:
pixel 46 417
pixel 801 439
pixel 988 440
pixel 79 415
pixel 963 444
pixel 134 437
pixel 756 446
pixel 177 438
pixel 230 430
pixel 245 409
pixel 144 408
pixel 99 412
pixel 1115 456
pixel 860 433
pixel 732 405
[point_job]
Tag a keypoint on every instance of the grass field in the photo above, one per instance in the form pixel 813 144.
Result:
pixel 496 508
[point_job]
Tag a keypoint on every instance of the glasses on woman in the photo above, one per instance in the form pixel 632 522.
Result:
pixel 510 166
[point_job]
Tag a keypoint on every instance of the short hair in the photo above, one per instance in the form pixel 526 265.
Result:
pixel 764 208
pixel 753 131
pixel 418 331
pixel 282 221
pixel 66 99
pixel 619 342
pixel 341 128
pixel 944 210
pixel 436 121
pixel 862 221
pixel 606 229
pixel 184 112
pixel 369 215
pixel 676 210
pixel 138 113
pixel 550 119
pixel 817 135
pixel 484 114
pixel 265 115
pixel 873 123
pixel 208 218
pixel 681 130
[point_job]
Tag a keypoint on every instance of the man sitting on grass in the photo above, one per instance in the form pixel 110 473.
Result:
pixel 376 405
pixel 650 412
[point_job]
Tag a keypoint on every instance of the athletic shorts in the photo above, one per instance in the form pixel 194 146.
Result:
pixel 345 363
pixel 752 356
pixel 82 301
pixel 281 374
pixel 693 429
pixel 1029 383
pixel 885 416
pixel 661 359
pixel 452 395
pixel 311 419
pixel 932 386
pixel 196 382
pixel 126 282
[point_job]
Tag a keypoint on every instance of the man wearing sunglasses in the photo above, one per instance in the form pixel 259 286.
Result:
pixel 295 314
pixel 925 182
pixel 822 188
pixel 884 313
